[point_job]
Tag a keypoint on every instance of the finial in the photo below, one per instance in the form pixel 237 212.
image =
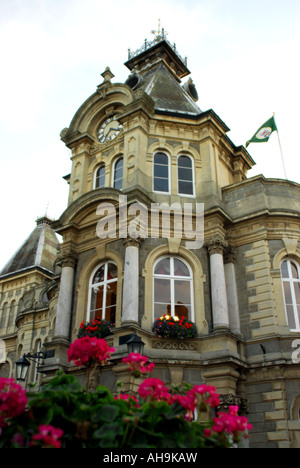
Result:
pixel 160 33
pixel 107 75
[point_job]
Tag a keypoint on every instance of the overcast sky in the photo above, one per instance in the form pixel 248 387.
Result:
pixel 243 57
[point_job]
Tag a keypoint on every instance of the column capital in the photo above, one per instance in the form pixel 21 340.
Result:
pixel 133 242
pixel 67 258
pixel 229 254
pixel 216 245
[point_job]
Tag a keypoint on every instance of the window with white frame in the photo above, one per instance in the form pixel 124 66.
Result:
pixel 185 175
pixel 118 174
pixel 100 177
pixel 103 293
pixel 173 288
pixel 161 173
pixel 290 275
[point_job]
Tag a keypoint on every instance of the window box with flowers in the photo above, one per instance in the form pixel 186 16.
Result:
pixel 97 328
pixel 174 327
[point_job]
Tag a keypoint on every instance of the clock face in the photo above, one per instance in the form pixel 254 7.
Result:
pixel 109 129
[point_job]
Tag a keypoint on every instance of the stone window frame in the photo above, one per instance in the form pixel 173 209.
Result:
pixel 173 247
pixel 291 282
pixel 114 164
pixel 193 175
pixel 172 279
pixel 101 255
pixel 96 175
pixel 164 152
pixel 291 251
pixel 104 283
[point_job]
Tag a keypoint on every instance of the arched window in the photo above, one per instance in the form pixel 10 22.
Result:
pixel 173 288
pixel 100 177
pixel 185 176
pixel 161 173
pixel 103 293
pixel 118 174
pixel 290 275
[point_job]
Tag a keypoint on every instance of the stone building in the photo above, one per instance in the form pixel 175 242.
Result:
pixel 135 146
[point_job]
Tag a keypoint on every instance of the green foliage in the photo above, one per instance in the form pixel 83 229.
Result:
pixel 98 420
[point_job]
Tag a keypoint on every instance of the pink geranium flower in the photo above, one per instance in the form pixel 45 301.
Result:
pixel 154 389
pixel 88 350
pixel 48 436
pixel 137 364
pixel 13 400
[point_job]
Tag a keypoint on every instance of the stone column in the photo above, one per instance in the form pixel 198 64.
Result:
pixel 215 248
pixel 232 295
pixel 65 297
pixel 130 307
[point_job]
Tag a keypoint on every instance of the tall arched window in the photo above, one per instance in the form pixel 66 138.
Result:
pixel 100 177
pixel 185 176
pixel 173 288
pixel 290 275
pixel 118 174
pixel 103 293
pixel 161 173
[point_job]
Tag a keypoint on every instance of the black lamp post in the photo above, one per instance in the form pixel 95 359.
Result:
pixel 23 364
pixel 135 344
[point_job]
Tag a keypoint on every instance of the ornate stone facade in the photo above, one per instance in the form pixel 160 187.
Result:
pixel 134 147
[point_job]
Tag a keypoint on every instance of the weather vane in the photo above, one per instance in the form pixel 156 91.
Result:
pixel 160 33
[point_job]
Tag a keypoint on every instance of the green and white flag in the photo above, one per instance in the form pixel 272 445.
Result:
pixel 264 132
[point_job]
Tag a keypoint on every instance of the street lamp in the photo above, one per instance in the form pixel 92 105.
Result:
pixel 23 364
pixel 135 344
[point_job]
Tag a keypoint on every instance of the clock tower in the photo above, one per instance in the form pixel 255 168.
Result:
pixel 150 171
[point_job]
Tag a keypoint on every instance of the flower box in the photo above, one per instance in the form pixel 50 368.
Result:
pixel 174 327
pixel 97 328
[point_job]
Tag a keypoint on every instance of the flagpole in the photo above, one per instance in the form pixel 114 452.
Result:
pixel 280 147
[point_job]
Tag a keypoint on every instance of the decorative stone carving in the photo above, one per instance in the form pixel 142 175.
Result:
pixel 67 258
pixel 216 245
pixel 174 345
pixel 229 254
pixel 228 400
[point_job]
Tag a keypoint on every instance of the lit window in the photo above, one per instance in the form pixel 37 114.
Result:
pixel 103 293
pixel 173 288
pixel 161 173
pixel 291 288
pixel 185 176
pixel 100 177
pixel 118 174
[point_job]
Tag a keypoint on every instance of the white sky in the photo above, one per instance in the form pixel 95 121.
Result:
pixel 243 57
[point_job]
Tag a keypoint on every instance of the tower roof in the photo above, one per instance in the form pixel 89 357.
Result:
pixel 38 251
pixel 157 68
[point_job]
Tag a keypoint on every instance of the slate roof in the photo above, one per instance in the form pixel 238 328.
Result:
pixel 159 69
pixel 167 94
pixel 38 251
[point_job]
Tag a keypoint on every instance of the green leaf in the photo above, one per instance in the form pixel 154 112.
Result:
pixel 106 413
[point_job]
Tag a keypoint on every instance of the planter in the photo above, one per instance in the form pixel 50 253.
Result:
pixel 97 328
pixel 175 328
